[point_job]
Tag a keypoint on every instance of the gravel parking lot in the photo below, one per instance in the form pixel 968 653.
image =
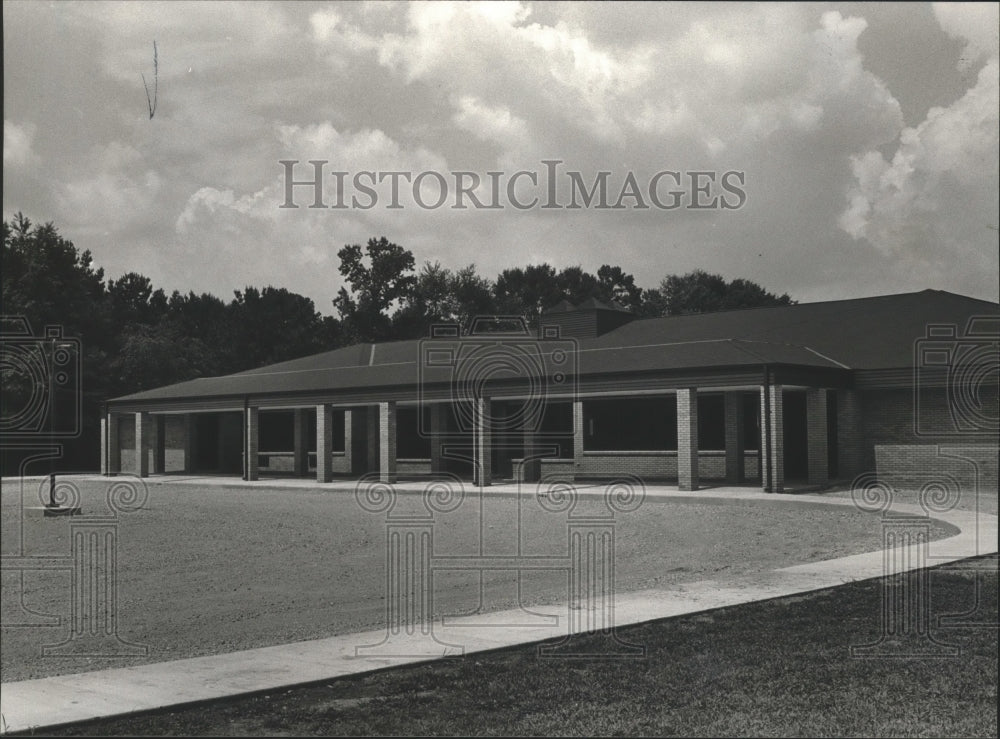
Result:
pixel 206 570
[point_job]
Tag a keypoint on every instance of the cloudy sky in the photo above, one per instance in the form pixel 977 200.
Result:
pixel 867 136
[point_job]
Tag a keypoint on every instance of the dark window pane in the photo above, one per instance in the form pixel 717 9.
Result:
pixel 711 421
pixel 636 424
pixel 410 443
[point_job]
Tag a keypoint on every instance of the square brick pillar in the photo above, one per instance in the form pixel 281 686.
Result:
pixel 252 445
pixel 772 452
pixel 437 426
pixel 577 436
pixel 482 442
pixel 734 437
pixel 850 435
pixel 349 441
pixel 387 441
pixel 190 429
pixel 687 439
pixel 300 455
pixel 110 445
pixel 324 443
pixel 816 436
pixel 372 454
pixel 143 430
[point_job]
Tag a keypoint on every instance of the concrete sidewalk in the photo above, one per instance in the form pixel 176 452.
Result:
pixel 46 702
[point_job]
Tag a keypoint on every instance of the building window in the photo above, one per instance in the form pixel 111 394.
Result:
pixel 410 442
pixel 711 422
pixel 630 424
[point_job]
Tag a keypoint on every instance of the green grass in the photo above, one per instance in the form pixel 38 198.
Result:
pixel 775 668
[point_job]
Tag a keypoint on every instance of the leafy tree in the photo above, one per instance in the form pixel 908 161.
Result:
pixel 701 292
pixel 49 282
pixel 383 281
pixel 653 304
pixel 534 289
pixel 472 295
pixel 614 284
pixel 441 295
pixel 152 356
pixel 134 300
pixel 576 286
pixel 271 325
pixel 527 291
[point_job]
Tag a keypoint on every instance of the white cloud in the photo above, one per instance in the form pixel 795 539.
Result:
pixel 17 144
pixel 114 189
pixel 779 91
pixel 490 123
pixel 978 24
pixel 934 206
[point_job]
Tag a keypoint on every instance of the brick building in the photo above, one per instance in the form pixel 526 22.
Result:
pixel 905 383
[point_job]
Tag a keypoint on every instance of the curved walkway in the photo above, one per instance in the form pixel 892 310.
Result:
pixel 46 702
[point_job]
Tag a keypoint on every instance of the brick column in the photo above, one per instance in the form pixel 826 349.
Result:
pixel 687 439
pixel 349 441
pixel 816 436
pixel 324 443
pixel 373 438
pixel 772 457
pixel 482 440
pixel 387 441
pixel 142 434
pixel 734 437
pixel 577 435
pixel 110 445
pixel 436 411
pixel 189 441
pixel 300 459
pixel 252 439
pixel 850 434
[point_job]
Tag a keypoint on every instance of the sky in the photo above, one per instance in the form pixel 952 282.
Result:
pixel 862 138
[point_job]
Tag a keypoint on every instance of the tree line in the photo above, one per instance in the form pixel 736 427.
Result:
pixel 134 336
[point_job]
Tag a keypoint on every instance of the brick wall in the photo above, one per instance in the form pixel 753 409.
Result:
pixel 961 469
pixel 850 435
pixel 413 467
pixel 645 464
pixel 890 419
pixel 816 436
pixel 339 464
